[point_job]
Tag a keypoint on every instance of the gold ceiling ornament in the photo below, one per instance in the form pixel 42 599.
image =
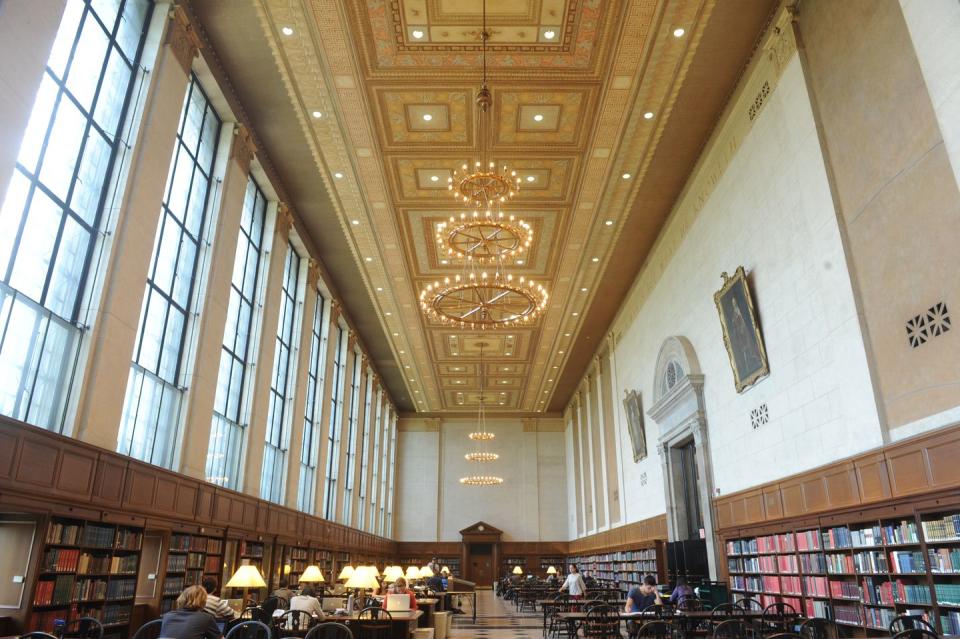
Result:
pixel 484 184
pixel 484 240
pixel 482 436
pixel 485 237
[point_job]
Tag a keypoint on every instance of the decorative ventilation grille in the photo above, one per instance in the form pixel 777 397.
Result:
pixel 671 376
pixel 759 100
pixel 932 323
pixel 643 479
pixel 759 416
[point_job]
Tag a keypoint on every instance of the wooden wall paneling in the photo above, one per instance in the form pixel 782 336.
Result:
pixel 108 485
pixel 872 479
pixel 908 470
pixel 772 503
pixel 791 499
pixel 76 472
pixel 841 486
pixel 205 498
pixel 814 489
pixel 941 456
pixel 8 454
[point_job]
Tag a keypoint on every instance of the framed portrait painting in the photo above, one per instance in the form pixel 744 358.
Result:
pixel 638 438
pixel 741 332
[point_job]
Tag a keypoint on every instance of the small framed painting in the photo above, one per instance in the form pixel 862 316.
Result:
pixel 741 332
pixel 638 438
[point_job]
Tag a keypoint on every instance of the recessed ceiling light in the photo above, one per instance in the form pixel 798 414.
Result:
pixel 408 365
pixel 596 259
pixel 338 175
pixel 566 334
pixel 411 379
pixel 369 259
pixel 416 391
pixel 609 222
pixel 555 366
pixel 531 178
pixel 318 114
pixel 583 289
pixel 287 31
pixel 355 222
pixel 380 290
pixel 538 117
pixel 403 352
pixel 549 380
pixel 520 262
pixel 444 262
pixel 549 35
pixel 388 313
pixel 560 352
pixel 575 314
pixel 545 392
pixel 418 34
pixel 626 176
pixel 427 117
pixel 678 32
pixel 648 115
pixel 434 178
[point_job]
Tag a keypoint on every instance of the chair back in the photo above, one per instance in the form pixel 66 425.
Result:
pixel 750 605
pixel 657 630
pixel 732 629
pixel 593 603
pixel 660 611
pixel 784 635
pixel 818 628
pixel 916 633
pixel 776 615
pixel 249 630
pixel 374 612
pixel 690 604
pixel 270 604
pixel 909 622
pixel 292 620
pixel 83 628
pixel 602 621
pixel 330 630
pixel 37 634
pixel 149 630
pixel 727 610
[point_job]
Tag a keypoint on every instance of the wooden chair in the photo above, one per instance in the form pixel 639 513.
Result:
pixel 733 629
pixel 527 599
pixel 329 630
pixel 818 628
pixel 602 621
pixel 916 633
pixel 149 630
pixel 296 621
pixel 373 623
pixel 657 630
pixel 83 628
pixel 776 617
pixel 750 605
pixel 661 611
pixel 248 630
pixel 784 635
pixel 691 604
pixel 727 610
pixel 909 622
pixel 37 634
pixel 555 626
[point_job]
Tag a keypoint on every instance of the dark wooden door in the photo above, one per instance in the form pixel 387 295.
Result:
pixel 481 564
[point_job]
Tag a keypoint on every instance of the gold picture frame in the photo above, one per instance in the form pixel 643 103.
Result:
pixel 741 331
pixel 635 424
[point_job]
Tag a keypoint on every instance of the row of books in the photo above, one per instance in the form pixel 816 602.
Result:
pixel 888 592
pixel 945 528
pixel 50 592
pixel 212 564
pixel 878 617
pixel 950 623
pixel 818 608
pixel 251 549
pixel 64 533
pixel 813 563
pixel 844 590
pixel 849 614
pixel 60 560
pixel 948 593
pixel 816 586
pixel 907 562
pixel 944 560
pixel 839 564
pixel 869 562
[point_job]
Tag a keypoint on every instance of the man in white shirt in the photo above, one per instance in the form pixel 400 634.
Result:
pixel 574 583
pixel 307 602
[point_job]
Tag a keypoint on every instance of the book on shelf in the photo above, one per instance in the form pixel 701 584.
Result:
pixel 61 560
pixel 907 562
pixel 903 532
pixel 97 536
pixel 944 560
pixel 808 540
pixel 943 528
pixel 127 539
pixel 837 564
pixel 844 589
pixel 124 564
pixel 89 590
pixel 872 561
pixel 64 533
pixel 816 586
pixel 813 563
pixel 836 538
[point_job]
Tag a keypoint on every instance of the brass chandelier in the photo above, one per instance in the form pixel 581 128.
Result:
pixel 482 436
pixel 485 240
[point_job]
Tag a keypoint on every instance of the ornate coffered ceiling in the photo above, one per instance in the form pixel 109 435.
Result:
pixel 379 94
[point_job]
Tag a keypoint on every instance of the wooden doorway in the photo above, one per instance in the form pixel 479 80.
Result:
pixel 481 564
pixel 481 554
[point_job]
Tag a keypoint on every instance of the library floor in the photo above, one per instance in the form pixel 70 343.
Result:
pixel 496 619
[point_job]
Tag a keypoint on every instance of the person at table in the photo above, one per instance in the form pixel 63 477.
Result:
pixel 307 602
pixel 435 583
pixel 399 587
pixel 283 592
pixel 643 596
pixel 190 620
pixel 216 606
pixel 681 593
pixel 574 583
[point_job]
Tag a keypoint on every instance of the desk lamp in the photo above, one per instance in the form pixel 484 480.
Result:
pixel 313 575
pixel 362 580
pixel 517 570
pixel 551 570
pixel 245 578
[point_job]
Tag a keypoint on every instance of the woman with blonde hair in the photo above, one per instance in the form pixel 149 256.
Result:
pixel 399 587
pixel 189 620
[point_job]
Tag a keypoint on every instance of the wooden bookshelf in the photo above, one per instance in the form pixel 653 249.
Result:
pixel 295 561
pixel 190 558
pixel 508 563
pixel 87 569
pixel 861 573
pixel 621 569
